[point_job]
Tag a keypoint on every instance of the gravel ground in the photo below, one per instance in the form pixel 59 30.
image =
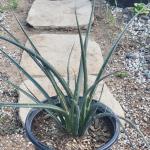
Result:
pixel 132 91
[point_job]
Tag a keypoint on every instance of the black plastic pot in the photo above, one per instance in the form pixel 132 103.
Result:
pixel 113 123
pixel 126 3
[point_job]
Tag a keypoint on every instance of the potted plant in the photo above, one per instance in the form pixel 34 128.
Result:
pixel 72 113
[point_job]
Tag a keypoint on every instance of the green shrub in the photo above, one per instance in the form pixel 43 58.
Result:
pixel 12 4
pixel 141 8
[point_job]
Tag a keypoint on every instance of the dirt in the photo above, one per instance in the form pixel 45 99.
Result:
pixel 133 96
pixel 46 130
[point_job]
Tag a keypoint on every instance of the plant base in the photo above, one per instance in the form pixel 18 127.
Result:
pixel 107 138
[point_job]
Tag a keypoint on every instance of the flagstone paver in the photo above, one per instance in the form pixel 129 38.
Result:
pixel 55 48
pixel 59 13
pixel 106 98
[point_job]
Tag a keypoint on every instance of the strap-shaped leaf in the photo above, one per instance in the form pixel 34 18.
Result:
pixel 87 102
pixel 44 62
pixel 127 121
pixel 68 65
pixel 36 61
pixel 26 35
pixel 127 135
pixel 44 106
pixel 83 67
pixel 136 128
pixel 74 117
pixel 83 58
pixel 27 75
pixel 58 91
pixel 34 99
pixel 9 33
pixel 44 69
pixel 89 27
pixel 112 50
pixel 101 79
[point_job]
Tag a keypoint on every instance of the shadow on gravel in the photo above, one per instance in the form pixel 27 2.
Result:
pixel 127 3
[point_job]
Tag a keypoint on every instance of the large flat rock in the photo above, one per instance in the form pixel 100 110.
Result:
pixel 106 98
pixel 55 48
pixel 59 13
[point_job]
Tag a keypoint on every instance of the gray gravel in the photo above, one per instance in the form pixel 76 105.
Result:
pixel 133 92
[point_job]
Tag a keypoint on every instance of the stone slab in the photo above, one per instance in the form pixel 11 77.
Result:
pixel 55 48
pixel 107 97
pixel 59 13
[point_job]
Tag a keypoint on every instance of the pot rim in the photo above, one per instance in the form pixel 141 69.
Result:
pixel 34 112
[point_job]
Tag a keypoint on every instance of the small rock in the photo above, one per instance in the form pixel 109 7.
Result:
pixel 132 56
pixel 142 99
pixel 136 121
pixel 145 119
pixel 147 74
pixel 147 90
pixel 148 40
pixel 145 17
pixel 125 108
pixel 127 14
pixel 1 17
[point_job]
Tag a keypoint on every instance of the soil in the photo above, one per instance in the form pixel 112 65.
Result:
pixel 46 130
pixel 132 95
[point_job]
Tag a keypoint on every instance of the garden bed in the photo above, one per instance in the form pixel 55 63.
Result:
pixel 132 89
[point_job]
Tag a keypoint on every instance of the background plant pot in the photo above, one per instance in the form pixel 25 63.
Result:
pixel 113 123
pixel 126 3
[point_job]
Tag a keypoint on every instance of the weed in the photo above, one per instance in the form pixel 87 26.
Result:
pixel 121 74
pixel 142 8
pixel 109 16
